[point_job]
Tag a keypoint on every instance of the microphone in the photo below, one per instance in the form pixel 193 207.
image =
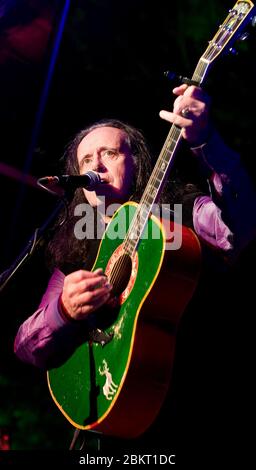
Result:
pixel 89 181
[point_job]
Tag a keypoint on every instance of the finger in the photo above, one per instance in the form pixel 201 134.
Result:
pixel 81 274
pixel 98 271
pixel 99 302
pixel 77 276
pixel 72 289
pixel 86 309
pixel 167 115
pixel 180 90
pixel 178 104
pixel 89 306
pixel 179 109
pixel 92 296
pixel 175 119
pixel 196 93
pixel 183 102
pixel 90 284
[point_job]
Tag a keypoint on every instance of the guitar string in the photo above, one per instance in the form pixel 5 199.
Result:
pixel 199 72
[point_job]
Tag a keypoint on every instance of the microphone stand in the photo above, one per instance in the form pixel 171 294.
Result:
pixel 38 239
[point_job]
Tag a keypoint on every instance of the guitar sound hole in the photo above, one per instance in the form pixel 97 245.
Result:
pixel 120 274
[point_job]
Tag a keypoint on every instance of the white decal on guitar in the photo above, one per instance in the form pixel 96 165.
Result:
pixel 110 387
pixel 117 328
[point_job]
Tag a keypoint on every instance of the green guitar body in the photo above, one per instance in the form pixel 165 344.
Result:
pixel 118 383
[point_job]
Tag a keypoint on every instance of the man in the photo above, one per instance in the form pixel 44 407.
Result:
pixel 118 153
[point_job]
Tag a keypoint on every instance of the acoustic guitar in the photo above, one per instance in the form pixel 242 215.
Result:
pixel 116 381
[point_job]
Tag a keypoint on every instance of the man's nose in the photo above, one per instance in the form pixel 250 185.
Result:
pixel 97 163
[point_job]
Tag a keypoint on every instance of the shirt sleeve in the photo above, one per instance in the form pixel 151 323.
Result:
pixel 46 337
pixel 227 218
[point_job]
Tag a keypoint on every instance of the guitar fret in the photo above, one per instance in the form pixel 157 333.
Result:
pixel 200 71
pixel 129 247
pixel 158 180
pixel 140 218
pixel 135 235
pixel 150 198
pixel 171 148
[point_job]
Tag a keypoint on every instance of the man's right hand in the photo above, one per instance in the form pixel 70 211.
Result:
pixel 84 292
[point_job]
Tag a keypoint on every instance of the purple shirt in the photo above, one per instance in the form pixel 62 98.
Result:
pixel 43 336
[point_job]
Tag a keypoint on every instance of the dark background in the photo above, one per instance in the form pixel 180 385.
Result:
pixel 110 64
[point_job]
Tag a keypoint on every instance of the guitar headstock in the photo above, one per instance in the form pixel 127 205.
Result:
pixel 230 30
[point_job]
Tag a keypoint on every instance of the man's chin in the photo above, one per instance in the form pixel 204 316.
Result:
pixel 111 195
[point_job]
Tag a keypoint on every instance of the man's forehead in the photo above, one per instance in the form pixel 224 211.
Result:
pixel 104 136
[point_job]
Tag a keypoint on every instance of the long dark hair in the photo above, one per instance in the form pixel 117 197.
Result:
pixel 65 251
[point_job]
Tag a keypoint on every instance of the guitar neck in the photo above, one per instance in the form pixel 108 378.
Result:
pixel 160 174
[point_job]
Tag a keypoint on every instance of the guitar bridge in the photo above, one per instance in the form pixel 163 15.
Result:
pixel 99 336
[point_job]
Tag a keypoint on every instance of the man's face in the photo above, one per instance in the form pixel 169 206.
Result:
pixel 105 151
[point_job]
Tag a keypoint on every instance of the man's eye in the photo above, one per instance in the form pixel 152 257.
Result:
pixel 110 153
pixel 86 161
